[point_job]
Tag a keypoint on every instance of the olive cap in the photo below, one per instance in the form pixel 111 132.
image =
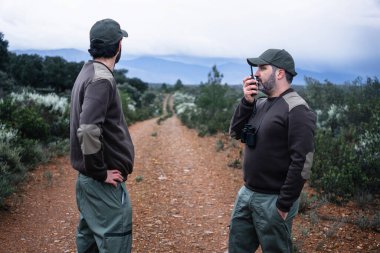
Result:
pixel 279 58
pixel 106 32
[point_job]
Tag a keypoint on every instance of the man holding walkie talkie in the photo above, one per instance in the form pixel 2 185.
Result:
pixel 278 131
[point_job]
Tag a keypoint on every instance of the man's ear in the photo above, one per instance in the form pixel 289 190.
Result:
pixel 280 74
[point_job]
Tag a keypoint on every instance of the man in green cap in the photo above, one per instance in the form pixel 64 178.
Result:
pixel 278 132
pixel 101 148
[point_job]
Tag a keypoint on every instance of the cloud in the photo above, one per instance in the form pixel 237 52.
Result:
pixel 328 32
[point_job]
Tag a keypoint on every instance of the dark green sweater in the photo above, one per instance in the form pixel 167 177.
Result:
pixel 99 136
pixel 280 163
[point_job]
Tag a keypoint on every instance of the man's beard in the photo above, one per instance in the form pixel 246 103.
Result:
pixel 270 84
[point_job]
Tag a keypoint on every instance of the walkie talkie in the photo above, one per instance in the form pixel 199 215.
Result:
pixel 254 78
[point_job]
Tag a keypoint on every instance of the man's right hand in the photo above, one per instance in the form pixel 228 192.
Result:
pixel 250 89
pixel 113 177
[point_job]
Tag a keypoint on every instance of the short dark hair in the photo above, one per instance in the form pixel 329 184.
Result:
pixel 288 76
pixel 98 50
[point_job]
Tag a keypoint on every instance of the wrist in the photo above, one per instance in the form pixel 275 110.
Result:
pixel 247 102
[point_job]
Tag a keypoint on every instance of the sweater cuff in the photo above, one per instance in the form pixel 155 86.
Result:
pixel 246 103
pixel 285 209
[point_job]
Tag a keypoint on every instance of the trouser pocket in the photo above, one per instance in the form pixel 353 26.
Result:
pixel 274 232
pixel 118 242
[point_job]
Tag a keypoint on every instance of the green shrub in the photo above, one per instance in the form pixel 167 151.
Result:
pixel 376 222
pixel 219 145
pixel 304 203
pixel 209 111
pixel 59 147
pixel 60 128
pixel 236 164
pixel 137 106
pixel 30 123
pixel 363 222
pixel 139 178
pixel 12 170
pixel 32 153
pixel 35 116
pixel 48 176
pixel 215 106
pixel 347 158
pixel 336 171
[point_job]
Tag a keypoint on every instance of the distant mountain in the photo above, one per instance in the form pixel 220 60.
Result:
pixel 157 70
pixel 189 69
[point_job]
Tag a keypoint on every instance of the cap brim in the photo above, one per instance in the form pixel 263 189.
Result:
pixel 256 62
pixel 125 34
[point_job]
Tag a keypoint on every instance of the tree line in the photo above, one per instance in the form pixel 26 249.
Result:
pixel 50 73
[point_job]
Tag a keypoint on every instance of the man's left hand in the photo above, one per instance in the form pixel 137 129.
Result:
pixel 282 214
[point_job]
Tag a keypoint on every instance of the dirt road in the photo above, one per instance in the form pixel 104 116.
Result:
pixel 182 192
pixel 183 202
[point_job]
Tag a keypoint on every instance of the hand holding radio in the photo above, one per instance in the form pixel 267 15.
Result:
pixel 250 88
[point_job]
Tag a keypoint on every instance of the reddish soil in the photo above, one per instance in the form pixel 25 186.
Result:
pixel 182 192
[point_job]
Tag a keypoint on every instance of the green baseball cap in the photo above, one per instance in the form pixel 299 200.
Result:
pixel 279 58
pixel 106 32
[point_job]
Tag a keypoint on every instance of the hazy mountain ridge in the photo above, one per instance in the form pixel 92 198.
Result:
pixel 189 69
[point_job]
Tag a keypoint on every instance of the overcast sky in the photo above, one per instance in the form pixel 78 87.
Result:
pixel 328 32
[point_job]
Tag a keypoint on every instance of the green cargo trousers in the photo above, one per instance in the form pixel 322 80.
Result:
pixel 255 221
pixel 105 224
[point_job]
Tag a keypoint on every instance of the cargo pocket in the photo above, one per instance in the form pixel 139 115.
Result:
pixel 118 242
